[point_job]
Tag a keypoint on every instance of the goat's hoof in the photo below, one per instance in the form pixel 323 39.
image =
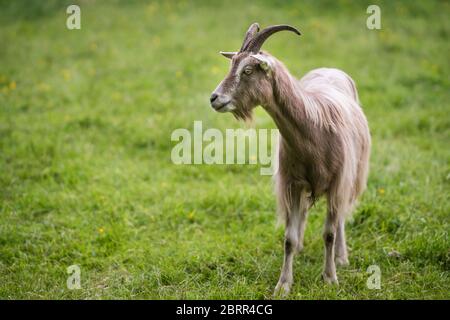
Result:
pixel 342 261
pixel 330 279
pixel 299 248
pixel 282 289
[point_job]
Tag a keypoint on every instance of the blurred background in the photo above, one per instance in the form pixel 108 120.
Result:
pixel 86 177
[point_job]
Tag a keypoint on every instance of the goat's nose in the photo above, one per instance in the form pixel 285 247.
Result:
pixel 213 97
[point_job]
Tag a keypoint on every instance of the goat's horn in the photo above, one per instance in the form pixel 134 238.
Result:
pixel 252 30
pixel 257 41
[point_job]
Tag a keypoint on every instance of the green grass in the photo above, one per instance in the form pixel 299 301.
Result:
pixel 85 124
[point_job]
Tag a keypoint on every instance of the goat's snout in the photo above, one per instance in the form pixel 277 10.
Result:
pixel 213 97
pixel 220 102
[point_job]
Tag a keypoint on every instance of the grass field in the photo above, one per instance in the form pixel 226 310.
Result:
pixel 86 176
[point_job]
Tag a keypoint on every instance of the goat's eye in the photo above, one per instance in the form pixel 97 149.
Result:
pixel 248 70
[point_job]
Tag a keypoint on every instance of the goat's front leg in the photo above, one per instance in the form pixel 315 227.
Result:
pixel 290 246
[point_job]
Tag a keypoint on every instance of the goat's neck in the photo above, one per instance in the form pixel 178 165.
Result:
pixel 286 106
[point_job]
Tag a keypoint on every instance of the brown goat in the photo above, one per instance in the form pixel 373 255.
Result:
pixel 324 146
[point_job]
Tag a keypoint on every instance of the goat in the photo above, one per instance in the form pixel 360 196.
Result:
pixel 324 145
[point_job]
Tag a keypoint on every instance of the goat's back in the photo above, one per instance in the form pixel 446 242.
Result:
pixel 330 76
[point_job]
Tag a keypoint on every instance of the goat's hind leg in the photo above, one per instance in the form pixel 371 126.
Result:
pixel 329 237
pixel 341 246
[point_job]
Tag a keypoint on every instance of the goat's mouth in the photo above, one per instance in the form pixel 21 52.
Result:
pixel 224 107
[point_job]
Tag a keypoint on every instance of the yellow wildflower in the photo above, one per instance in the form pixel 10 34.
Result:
pixel 215 70
pixel 156 41
pixel 117 96
pixel 152 8
pixel 66 74
pixel 43 87
pixel 173 18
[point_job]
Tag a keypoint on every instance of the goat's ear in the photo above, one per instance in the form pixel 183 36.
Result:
pixel 264 61
pixel 228 55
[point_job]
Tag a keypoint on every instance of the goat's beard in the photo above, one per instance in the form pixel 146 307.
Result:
pixel 244 114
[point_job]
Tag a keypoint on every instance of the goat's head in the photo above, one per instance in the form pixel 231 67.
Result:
pixel 248 81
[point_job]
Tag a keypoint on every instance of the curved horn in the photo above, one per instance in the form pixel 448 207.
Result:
pixel 257 41
pixel 252 30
